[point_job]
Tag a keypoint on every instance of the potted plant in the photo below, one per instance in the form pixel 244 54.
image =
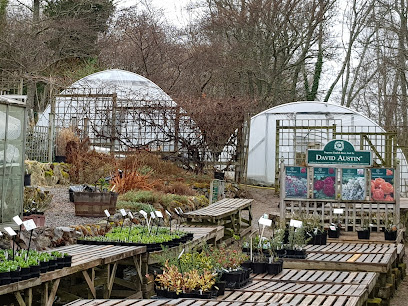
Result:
pixel 5 277
pixel 92 202
pixel 363 232
pixel 390 228
pixel 275 263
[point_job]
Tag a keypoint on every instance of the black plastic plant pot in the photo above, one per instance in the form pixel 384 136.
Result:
pixel 171 294
pixel 221 287
pixel 67 261
pixel 52 265
pixel 60 158
pixel 363 234
pixel 390 235
pixel 35 271
pixel 300 254
pixel 161 292
pixel 259 267
pixel 274 268
pixel 334 234
pixel 5 278
pixel 205 295
pixel 25 273
pixel 247 264
pixel 323 238
pixel 280 253
pixel 15 276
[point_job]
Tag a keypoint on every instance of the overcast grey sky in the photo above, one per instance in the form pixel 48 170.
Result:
pixel 174 10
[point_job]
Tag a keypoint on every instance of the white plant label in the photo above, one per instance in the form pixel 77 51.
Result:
pixel 143 213
pixel 265 221
pixel 295 223
pixel 333 228
pixel 338 211
pixel 10 231
pixel 130 215
pixel 18 220
pixel 176 210
pixel 107 213
pixel 181 254
pixel 168 213
pixel 152 215
pixel 29 225
pixel 1 234
pixel 159 214
pixel 123 212
pixel 181 210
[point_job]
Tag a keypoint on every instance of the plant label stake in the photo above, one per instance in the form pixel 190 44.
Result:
pixel 159 215
pixel 178 259
pixel 144 214
pixel 29 226
pixel 153 219
pixel 107 219
pixel 295 223
pixel 124 214
pixel 169 214
pixel 264 222
pixel 131 223
pixel 11 233
pixel 19 222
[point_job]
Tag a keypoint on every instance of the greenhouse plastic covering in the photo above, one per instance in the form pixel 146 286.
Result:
pixel 262 139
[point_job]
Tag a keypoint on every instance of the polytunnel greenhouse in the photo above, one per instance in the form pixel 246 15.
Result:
pixel 286 131
pixel 119 111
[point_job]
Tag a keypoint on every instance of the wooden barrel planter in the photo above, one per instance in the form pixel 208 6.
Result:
pixel 93 204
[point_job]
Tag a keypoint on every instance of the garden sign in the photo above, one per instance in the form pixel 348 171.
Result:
pixel 339 152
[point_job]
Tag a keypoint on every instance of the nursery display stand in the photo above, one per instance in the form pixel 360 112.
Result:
pixel 85 260
pixel 226 212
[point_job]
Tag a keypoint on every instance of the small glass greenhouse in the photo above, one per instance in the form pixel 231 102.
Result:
pixel 287 131
pixel 12 138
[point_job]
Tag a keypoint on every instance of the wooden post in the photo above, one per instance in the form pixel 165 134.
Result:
pixel 282 190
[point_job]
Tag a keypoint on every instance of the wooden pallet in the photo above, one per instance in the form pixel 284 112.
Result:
pixel 380 262
pixel 184 302
pixel 367 279
pixel 351 248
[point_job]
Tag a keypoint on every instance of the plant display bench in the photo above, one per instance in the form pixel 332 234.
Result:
pixel 226 212
pixel 96 264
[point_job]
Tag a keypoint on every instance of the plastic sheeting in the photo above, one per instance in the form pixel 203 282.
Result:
pixel 262 138
pixel 127 85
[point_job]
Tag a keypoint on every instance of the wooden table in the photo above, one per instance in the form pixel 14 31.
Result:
pixel 85 258
pixel 226 212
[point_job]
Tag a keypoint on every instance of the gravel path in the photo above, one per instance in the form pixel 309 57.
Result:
pixel 62 212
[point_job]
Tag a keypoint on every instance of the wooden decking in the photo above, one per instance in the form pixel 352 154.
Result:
pixel 226 212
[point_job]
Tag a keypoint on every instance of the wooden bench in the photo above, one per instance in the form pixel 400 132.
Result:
pixel 85 258
pixel 226 212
